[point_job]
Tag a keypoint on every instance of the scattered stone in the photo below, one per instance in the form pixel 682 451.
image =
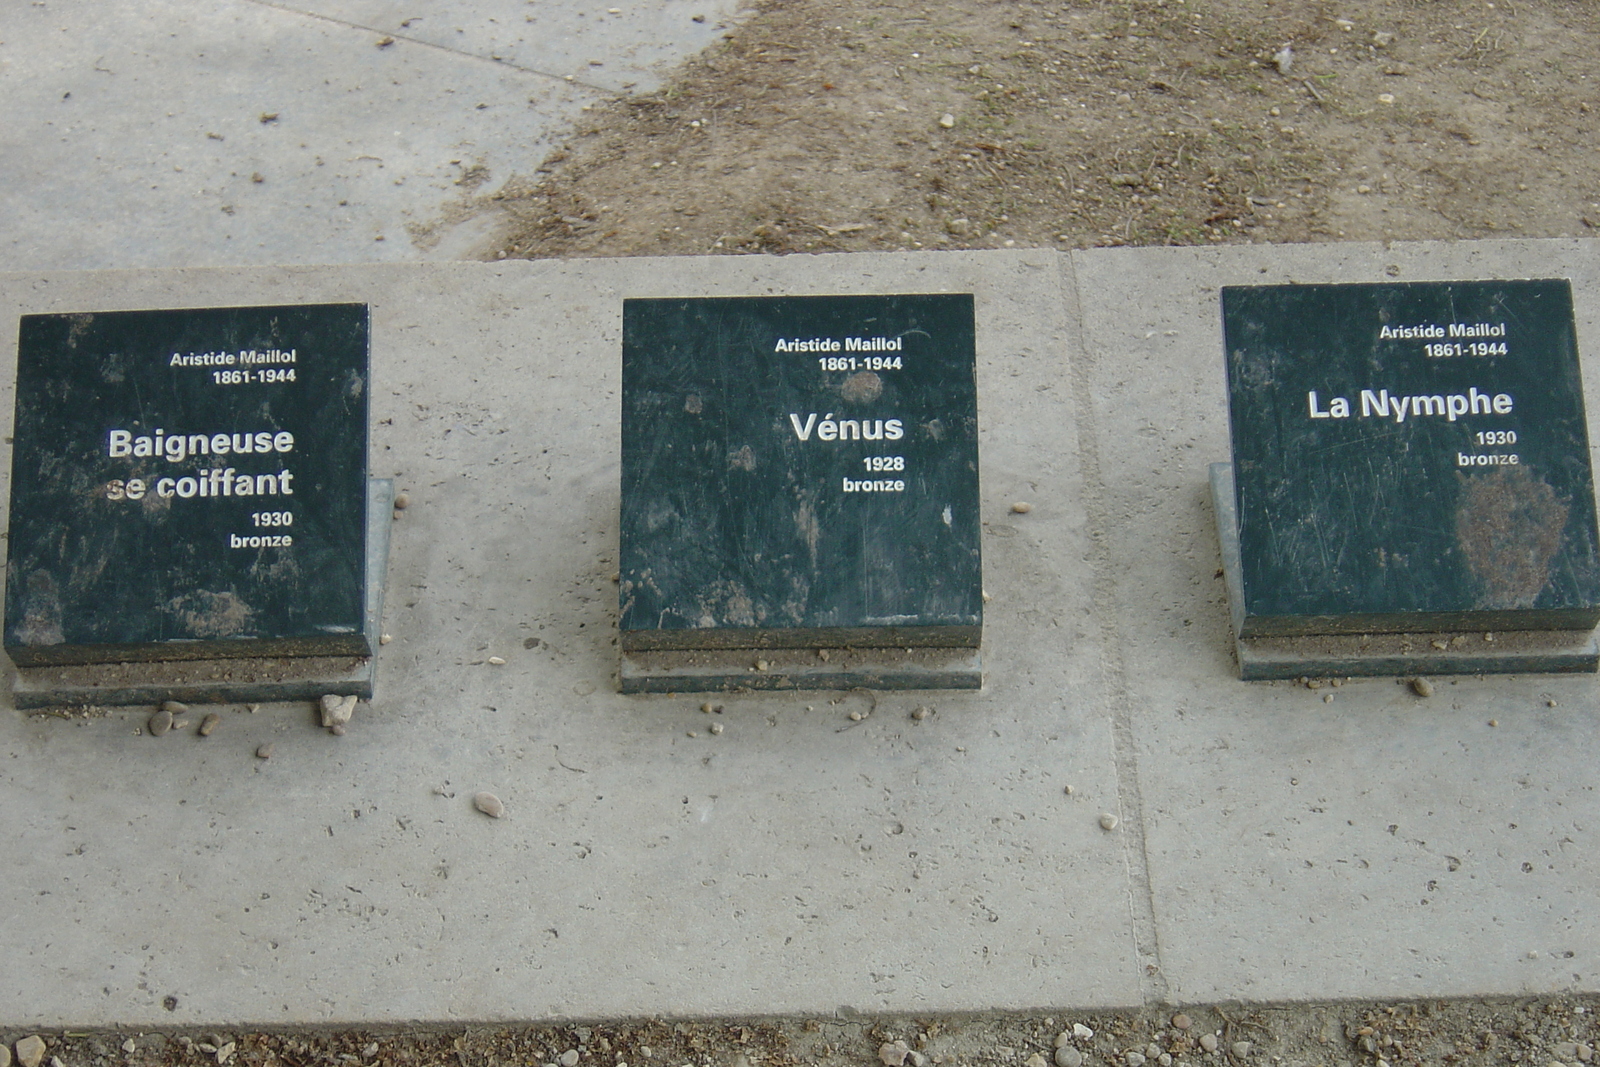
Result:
pixel 1152 1050
pixel 490 805
pixel 265 751
pixel 856 716
pixel 1063 1039
pixel 5 1056
pixel 497 661
pixel 402 501
pixel 1181 1021
pixel 1283 59
pixel 1208 1042
pixel 568 1058
pixel 1035 1060
pixel 56 1061
pixel 1081 1032
pixel 1565 1050
pixel 958 227
pixel 917 1059
pixel 1068 1056
pixel 1165 1059
pixel 129 1046
pixel 30 1051
pixel 1241 1049
pixel 1066 789
pixel 893 1053
pixel 225 1053
pixel 1021 507
pixel 384 639
pixel 947 120
pixel 159 723
pixel 1422 687
pixel 209 723
pixel 336 710
pixel 1134 1059
pixel 1125 181
pixel 1108 821
pixel 920 713
pixel 252 708
pixel 716 728
pixel 336 730
pixel 762 665
pixel 176 707
pixel 1382 38
pixel 1585 1053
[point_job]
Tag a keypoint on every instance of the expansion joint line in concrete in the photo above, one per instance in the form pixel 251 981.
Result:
pixel 1141 900
pixel 420 43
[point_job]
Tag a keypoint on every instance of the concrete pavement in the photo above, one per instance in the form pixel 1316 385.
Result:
pixel 240 132
pixel 1270 845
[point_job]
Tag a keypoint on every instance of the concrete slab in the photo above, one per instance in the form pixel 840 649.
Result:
pixel 798 862
pixel 1380 845
pixel 1272 845
pixel 135 133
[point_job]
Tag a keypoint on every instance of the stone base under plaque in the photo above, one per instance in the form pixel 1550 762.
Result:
pixel 1377 655
pixel 729 670
pixel 225 681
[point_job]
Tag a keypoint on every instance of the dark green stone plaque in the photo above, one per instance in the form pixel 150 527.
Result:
pixel 1410 457
pixel 189 484
pixel 800 472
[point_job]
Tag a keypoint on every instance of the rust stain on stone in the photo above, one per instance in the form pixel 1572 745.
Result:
pixel 862 387
pixel 207 614
pixel 1509 525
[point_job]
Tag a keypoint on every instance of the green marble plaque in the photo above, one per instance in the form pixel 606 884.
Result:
pixel 189 484
pixel 800 472
pixel 1410 457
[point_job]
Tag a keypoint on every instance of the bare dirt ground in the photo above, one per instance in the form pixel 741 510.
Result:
pixel 1537 1031
pixel 856 125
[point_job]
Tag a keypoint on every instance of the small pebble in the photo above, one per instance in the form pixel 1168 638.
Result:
pixel 252 708
pixel 1327 698
pixel 1181 1021
pixel 946 121
pixel 490 805
pixel 1422 687
pixel 1494 722
pixel 337 729
pixel 175 707
pixel 762 664
pixel 921 712
pixel 130 1046
pixel 893 1054
pixel 1108 821
pixel 694 733
pixel 1549 703
pixel 224 1053
pixel 1035 1060
pixel 855 716
pixel 1081 1032
pixel 716 728
pixel 30 1051
pixel 384 639
pixel 1165 1059
pixel 402 501
pixel 1068 1056
pixel 569 1058
pixel 209 723
pixel 497 661
pixel 336 710
pixel 1134 1059
pixel 265 751
pixel 1208 1042
pixel 1021 507
pixel 159 723
pixel 1063 1039
pixel 1067 790
pixel 1241 1049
